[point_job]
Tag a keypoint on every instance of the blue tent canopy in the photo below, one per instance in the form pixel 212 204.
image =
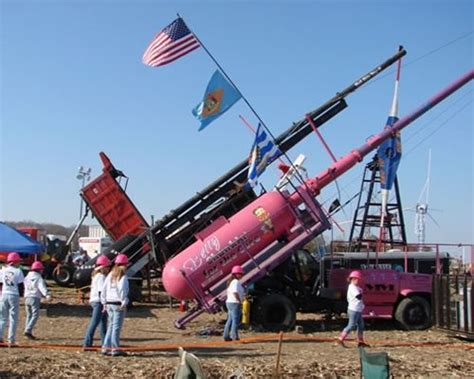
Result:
pixel 14 240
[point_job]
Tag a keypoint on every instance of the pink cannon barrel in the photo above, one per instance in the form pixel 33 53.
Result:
pixel 227 243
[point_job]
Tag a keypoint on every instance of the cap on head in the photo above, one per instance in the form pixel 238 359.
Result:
pixel 37 266
pixel 103 261
pixel 237 270
pixel 355 275
pixel 13 258
pixel 121 259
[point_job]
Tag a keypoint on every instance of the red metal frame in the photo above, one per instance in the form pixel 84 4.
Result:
pixel 111 205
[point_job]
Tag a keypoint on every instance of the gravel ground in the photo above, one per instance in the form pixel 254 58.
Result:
pixel 151 325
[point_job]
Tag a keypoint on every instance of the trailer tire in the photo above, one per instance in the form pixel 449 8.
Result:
pixel 135 291
pixel 274 312
pixel 414 313
pixel 63 275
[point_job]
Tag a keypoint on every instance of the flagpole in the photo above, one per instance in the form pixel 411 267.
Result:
pixel 385 192
pixel 242 96
pixel 221 69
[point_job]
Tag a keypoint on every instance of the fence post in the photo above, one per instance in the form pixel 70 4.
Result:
pixel 448 302
pixel 466 304
pixel 435 301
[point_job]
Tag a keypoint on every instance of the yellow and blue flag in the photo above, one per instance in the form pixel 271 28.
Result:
pixel 264 151
pixel 220 95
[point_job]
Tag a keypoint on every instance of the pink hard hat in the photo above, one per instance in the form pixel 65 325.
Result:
pixel 103 261
pixel 237 270
pixel 121 259
pixel 356 275
pixel 13 258
pixel 37 266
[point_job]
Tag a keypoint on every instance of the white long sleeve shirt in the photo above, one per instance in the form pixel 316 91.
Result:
pixel 96 287
pixel 115 291
pixel 11 277
pixel 355 304
pixel 35 285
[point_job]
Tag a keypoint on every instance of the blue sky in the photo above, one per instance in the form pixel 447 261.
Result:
pixel 72 85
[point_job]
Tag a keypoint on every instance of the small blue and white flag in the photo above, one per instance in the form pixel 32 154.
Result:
pixel 264 151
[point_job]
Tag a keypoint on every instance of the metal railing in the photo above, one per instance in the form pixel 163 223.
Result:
pixel 453 304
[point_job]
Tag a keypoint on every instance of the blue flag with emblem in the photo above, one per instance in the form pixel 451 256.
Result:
pixel 264 151
pixel 220 95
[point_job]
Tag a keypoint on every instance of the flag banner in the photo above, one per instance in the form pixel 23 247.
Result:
pixel 336 204
pixel 173 42
pixel 389 156
pixel 264 151
pixel 390 152
pixel 220 95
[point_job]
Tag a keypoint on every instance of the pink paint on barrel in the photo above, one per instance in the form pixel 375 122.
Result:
pixel 218 249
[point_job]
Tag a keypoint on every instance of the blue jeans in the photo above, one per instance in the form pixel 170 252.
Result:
pixel 32 308
pixel 233 321
pixel 10 305
pixel 98 319
pixel 355 322
pixel 115 322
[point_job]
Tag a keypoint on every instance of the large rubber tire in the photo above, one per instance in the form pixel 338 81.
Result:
pixel 414 313
pixel 274 312
pixel 63 276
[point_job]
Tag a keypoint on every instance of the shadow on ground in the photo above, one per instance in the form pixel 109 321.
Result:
pixel 84 310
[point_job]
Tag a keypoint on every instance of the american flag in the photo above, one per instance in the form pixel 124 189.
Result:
pixel 173 42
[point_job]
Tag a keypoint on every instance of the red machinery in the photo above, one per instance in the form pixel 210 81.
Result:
pixel 269 230
pixel 27 259
pixel 221 199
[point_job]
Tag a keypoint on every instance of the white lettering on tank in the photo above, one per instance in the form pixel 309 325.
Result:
pixel 208 247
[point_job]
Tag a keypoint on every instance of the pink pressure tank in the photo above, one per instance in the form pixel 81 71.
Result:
pixel 226 243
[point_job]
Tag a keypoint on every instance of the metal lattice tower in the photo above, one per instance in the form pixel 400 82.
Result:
pixel 366 222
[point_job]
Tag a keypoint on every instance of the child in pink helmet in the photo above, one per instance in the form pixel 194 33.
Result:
pixel 114 298
pixel 98 318
pixel 10 277
pixel 235 296
pixel 354 309
pixel 35 288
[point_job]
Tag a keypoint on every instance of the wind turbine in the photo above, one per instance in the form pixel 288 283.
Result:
pixel 422 209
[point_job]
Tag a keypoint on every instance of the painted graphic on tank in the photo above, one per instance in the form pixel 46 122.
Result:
pixel 210 245
pixel 264 217
pixel 241 237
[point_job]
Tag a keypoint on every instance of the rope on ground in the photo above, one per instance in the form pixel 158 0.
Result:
pixel 245 341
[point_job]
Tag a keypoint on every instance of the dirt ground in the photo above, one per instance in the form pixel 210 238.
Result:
pixel 150 325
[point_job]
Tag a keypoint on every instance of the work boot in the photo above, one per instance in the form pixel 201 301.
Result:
pixel 29 336
pixel 118 353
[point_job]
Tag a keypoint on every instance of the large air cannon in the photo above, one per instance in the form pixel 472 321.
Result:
pixel 267 231
pixel 146 244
